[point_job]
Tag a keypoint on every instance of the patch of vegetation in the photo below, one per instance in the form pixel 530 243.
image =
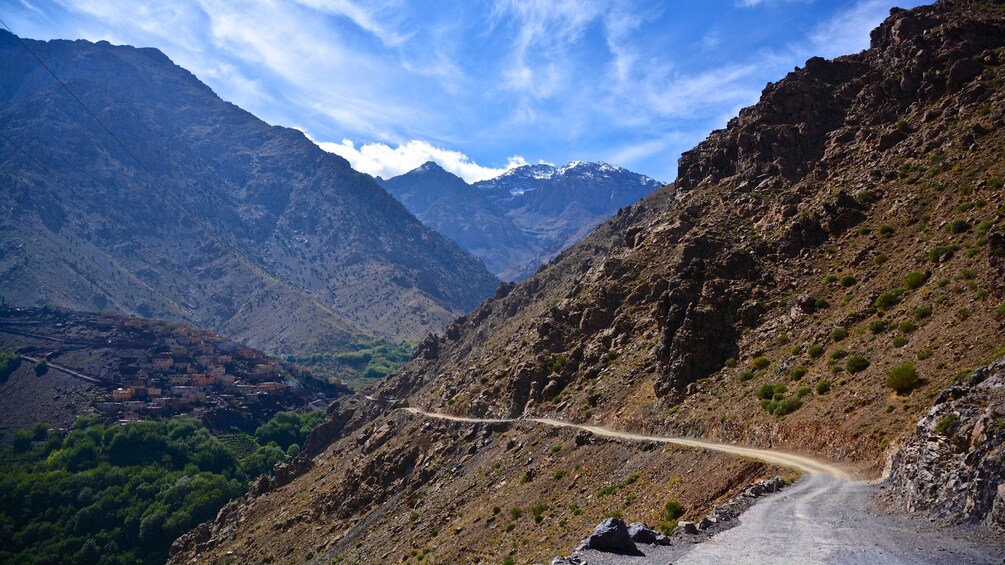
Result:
pixel 745 376
pixel 798 372
pixel 823 387
pixel 877 326
pixel 760 362
pixel 856 364
pixel 110 493
pixel 903 378
pixel 672 511
pixel 9 363
pixel 848 280
pixel 958 226
pixel 942 253
pixel 899 341
pixel 782 407
pixel 815 351
pixel 364 361
pixel 946 426
pixel 888 299
pixel 922 312
pixel 839 333
pixel 915 279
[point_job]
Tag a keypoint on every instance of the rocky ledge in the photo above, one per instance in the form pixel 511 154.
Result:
pixel 952 468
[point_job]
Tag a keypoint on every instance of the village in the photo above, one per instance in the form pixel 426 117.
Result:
pixel 153 368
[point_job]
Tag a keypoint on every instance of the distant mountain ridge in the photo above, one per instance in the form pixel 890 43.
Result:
pixel 284 246
pixel 523 218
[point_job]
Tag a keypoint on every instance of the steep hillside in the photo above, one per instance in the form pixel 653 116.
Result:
pixel 240 227
pixel 830 263
pixel 523 218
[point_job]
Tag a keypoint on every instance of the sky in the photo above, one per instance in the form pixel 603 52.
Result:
pixel 479 86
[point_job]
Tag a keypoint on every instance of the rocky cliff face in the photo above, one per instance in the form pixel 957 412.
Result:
pixel 524 217
pixel 952 467
pixel 844 230
pixel 283 245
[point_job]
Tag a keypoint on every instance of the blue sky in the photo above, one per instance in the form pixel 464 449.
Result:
pixel 475 85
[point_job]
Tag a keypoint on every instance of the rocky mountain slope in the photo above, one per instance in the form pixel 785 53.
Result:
pixel 523 218
pixel 240 227
pixel 830 263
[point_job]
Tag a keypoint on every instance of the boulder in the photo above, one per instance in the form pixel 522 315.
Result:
pixel 642 533
pixel 687 527
pixel 611 536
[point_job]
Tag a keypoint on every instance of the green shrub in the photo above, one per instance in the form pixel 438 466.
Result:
pixel 839 333
pixel 915 279
pixel 968 274
pixel 946 425
pixel 887 300
pixel 783 406
pixel 745 376
pixel 925 353
pixel 838 354
pixel 830 279
pixel 856 364
pixel 731 362
pixel 922 312
pixel 902 126
pixel 559 474
pixel 815 351
pixel 880 259
pixel 877 326
pixel 515 513
pixel 959 226
pixel 995 183
pixel 848 280
pixel 673 510
pixel 770 390
pixel 823 387
pixel 941 253
pixel 902 378
pixel 760 362
pixel 899 341
pixel 820 304
pixel 9 362
pixel 886 230
pixel 907 327
pixel 798 372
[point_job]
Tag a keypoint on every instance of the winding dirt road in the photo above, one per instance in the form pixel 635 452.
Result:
pixel 825 517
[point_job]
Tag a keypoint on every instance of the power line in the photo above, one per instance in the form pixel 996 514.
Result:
pixel 249 266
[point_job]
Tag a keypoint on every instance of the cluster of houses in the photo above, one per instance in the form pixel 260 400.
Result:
pixel 188 370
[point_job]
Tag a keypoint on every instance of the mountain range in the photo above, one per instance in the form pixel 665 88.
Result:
pixel 157 198
pixel 523 218
pixel 825 277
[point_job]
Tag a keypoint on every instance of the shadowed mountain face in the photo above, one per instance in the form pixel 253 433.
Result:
pixel 283 245
pixel 523 218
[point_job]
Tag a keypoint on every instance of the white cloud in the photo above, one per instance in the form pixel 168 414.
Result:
pixel 848 32
pixel 379 159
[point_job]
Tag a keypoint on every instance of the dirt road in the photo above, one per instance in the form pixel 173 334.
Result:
pixel 825 517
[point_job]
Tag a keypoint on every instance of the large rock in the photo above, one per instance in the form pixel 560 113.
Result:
pixel 612 536
pixel 642 533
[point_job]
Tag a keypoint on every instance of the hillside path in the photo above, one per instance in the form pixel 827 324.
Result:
pixel 824 517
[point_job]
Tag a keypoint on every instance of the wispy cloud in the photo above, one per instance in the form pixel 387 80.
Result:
pixel 379 159
pixel 547 79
